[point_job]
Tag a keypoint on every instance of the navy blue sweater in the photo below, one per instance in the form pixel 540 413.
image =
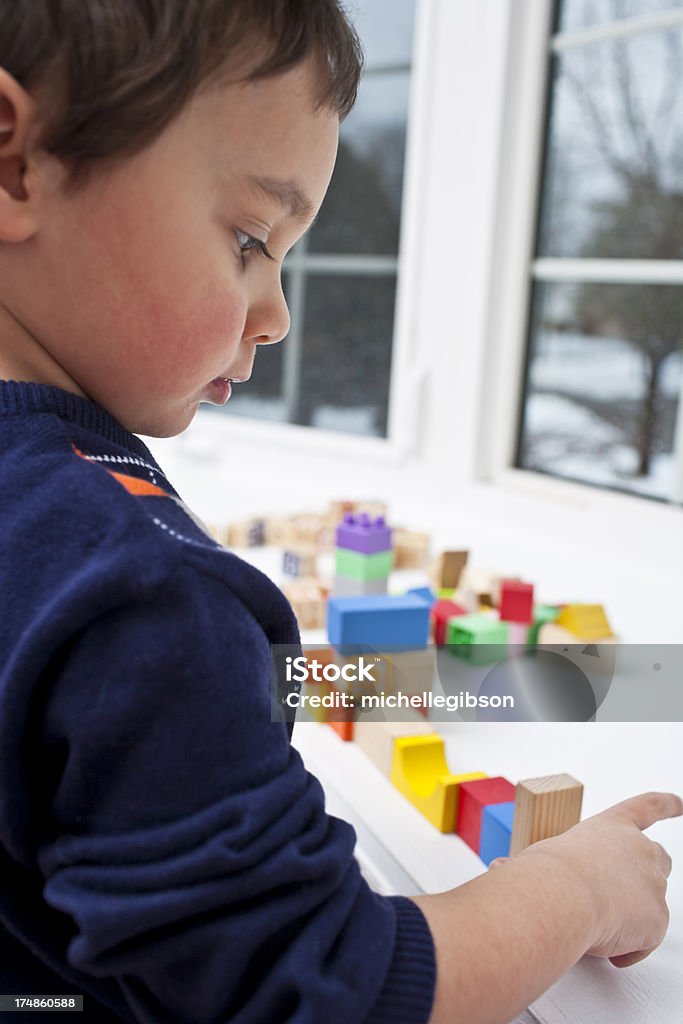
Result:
pixel 162 848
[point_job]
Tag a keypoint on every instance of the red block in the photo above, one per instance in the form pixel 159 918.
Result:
pixel 516 601
pixel 442 611
pixel 473 798
pixel 343 729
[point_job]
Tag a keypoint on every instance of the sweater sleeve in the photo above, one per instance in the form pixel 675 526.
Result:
pixel 188 846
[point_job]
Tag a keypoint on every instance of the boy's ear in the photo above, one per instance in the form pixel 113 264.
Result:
pixel 17 116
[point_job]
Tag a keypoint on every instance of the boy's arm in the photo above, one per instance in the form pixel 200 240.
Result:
pixel 505 937
pixel 186 844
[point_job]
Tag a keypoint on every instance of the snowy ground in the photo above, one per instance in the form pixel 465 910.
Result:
pixel 580 422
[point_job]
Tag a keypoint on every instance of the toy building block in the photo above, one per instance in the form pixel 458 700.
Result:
pixel 440 614
pixel 552 635
pixel 307 598
pixel 410 549
pixel 585 621
pixel 542 613
pixel 376 739
pixel 420 772
pixel 544 807
pixel 479 639
pixel 474 797
pixel 247 534
pixel 301 560
pixel 426 593
pixel 344 730
pixel 382 622
pixel 363 567
pixel 516 601
pixel 349 586
pixel 336 510
pixel 447 568
pixel 411 673
pixel 477 587
pixel 496 831
pixel 219 532
pixel 364 534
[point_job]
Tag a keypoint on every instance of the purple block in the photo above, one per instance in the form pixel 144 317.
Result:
pixel 361 533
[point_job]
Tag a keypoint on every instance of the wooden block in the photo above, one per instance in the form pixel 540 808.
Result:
pixel 376 739
pixel 420 772
pixel 307 598
pixel 544 807
pixel 410 549
pixel 247 534
pixel 448 568
pixel 300 560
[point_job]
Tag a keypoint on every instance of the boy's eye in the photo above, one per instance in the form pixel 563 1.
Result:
pixel 247 243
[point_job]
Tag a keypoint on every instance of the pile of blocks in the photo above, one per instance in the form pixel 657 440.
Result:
pixel 474 611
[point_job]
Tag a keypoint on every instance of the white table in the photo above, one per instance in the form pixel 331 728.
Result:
pixel 400 852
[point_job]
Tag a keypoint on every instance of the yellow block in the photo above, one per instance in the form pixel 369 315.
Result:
pixel 585 621
pixel 420 772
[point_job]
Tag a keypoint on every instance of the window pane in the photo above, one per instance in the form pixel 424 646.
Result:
pixel 604 379
pixel 361 212
pixel 346 354
pixel 587 13
pixel 614 168
pixel 386 28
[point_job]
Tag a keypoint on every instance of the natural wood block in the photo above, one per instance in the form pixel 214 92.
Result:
pixel 410 549
pixel 448 568
pixel 544 807
pixel 307 598
pixel 376 739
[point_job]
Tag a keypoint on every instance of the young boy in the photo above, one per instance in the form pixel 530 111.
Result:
pixel 163 851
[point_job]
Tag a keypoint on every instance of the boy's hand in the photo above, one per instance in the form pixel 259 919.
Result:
pixel 625 874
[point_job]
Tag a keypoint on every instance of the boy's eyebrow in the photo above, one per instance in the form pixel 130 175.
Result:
pixel 287 193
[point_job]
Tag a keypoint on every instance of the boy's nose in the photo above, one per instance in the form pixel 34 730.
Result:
pixel 268 318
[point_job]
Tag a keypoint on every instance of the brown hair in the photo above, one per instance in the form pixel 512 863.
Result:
pixel 109 75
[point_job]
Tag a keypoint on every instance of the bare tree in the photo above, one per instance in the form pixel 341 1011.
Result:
pixel 639 145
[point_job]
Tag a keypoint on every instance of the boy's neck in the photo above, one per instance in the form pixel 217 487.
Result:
pixel 23 358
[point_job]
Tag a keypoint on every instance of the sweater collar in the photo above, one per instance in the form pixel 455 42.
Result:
pixel 20 397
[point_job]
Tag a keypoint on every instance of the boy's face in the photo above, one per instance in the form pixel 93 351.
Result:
pixel 144 287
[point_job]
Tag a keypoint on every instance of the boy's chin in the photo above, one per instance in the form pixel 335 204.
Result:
pixel 165 423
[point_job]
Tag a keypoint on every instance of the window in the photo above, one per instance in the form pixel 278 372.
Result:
pixel 333 369
pixel 604 372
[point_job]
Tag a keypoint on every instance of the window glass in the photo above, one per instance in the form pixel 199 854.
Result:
pixel 361 212
pixel 333 369
pixel 614 171
pixel 604 378
pixel 347 354
pixel 578 14
pixel 386 29
pixel 604 371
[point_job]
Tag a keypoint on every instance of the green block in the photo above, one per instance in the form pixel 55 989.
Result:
pixel 445 592
pixel 363 567
pixel 542 613
pixel 477 638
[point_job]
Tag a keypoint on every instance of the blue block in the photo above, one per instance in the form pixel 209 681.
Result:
pixel 496 831
pixel 383 622
pixel 425 593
